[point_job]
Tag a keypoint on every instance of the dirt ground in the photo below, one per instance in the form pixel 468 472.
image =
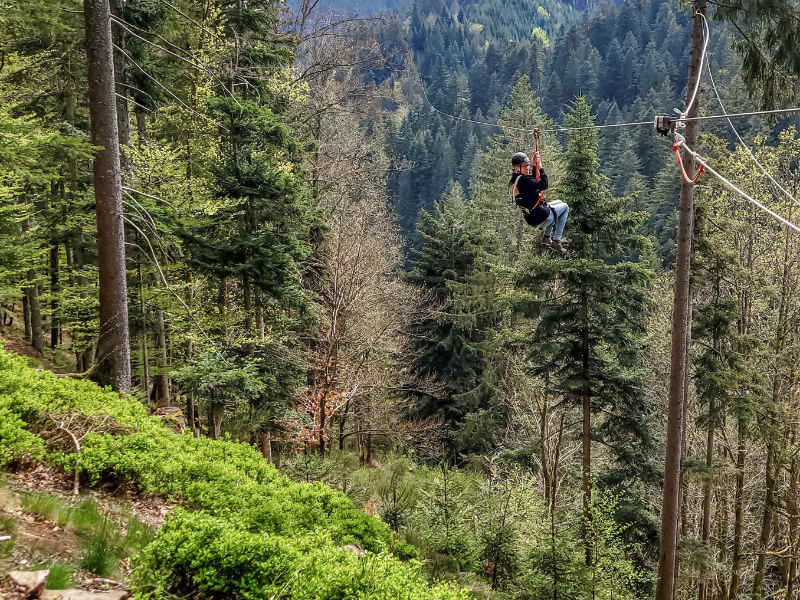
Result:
pixel 39 540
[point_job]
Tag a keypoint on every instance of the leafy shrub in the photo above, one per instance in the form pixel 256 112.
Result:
pixel 195 552
pixel 255 534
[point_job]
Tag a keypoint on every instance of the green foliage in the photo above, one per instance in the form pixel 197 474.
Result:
pixel 539 34
pixel 7 527
pixel 200 553
pixel 62 576
pixel 269 531
pixel 445 521
pixel 102 542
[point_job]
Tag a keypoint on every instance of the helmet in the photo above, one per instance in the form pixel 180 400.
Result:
pixel 520 158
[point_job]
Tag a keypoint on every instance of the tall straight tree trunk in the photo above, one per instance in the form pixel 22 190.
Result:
pixel 587 424
pixel 34 309
pixel 141 127
pixel 248 314
pixel 259 314
pixel 119 39
pixel 766 521
pixel 706 531
pixel 738 523
pixel 26 316
pixel 680 329
pixel 160 381
pixel 145 383
pixel 54 290
pixel 791 508
pixel 113 347
pixel 85 358
pixel 32 294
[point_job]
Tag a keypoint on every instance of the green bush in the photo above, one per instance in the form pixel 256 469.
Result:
pixel 254 533
pixel 195 552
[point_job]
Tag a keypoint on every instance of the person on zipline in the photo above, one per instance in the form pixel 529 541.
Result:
pixel 526 191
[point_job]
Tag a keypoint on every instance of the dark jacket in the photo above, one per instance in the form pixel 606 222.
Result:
pixel 527 197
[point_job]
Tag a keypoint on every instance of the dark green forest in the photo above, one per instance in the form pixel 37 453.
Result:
pixel 628 61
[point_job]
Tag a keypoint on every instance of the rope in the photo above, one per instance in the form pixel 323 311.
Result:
pixel 686 178
pixel 739 137
pixel 704 164
pixel 706 36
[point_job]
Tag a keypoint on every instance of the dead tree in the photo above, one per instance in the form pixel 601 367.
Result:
pixel 76 426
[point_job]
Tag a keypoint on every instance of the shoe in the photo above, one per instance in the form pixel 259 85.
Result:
pixel 556 245
pixel 546 241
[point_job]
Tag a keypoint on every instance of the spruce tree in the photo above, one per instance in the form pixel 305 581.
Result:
pixel 591 330
pixel 442 350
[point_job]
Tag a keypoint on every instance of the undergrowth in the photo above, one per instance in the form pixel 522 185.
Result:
pixel 241 519
pixel 104 539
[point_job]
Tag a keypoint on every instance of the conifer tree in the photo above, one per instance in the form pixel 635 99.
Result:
pixel 591 334
pixel 445 255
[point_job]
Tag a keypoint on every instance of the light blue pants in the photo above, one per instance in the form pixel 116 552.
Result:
pixel 561 211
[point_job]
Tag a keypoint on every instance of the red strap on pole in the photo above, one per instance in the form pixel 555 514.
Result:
pixel 683 170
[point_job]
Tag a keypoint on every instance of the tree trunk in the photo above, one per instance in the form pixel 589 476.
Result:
pixel 706 533
pixel 54 291
pixel 222 304
pixel 145 382
pixel 119 38
pixel 113 346
pixel 33 319
pixel 322 409
pixel 248 315
pixel 259 314
pixel 680 329
pixel 141 127
pixel 160 381
pixel 217 414
pixel 738 523
pixel 791 508
pixel 266 448
pixel 32 293
pixel 766 521
pixel 26 316
pixel 84 358
pixel 587 427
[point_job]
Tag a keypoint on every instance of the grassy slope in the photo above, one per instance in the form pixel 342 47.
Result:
pixel 245 532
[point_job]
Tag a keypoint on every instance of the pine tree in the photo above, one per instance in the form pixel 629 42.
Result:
pixel 450 353
pixel 589 340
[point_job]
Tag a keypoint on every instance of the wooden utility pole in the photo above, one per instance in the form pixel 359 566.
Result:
pixel 681 328
pixel 113 347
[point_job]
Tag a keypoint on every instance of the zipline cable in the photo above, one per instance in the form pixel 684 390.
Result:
pixel 704 164
pixel 606 126
pixel 739 137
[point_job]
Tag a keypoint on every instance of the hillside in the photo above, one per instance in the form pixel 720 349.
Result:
pixel 242 528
